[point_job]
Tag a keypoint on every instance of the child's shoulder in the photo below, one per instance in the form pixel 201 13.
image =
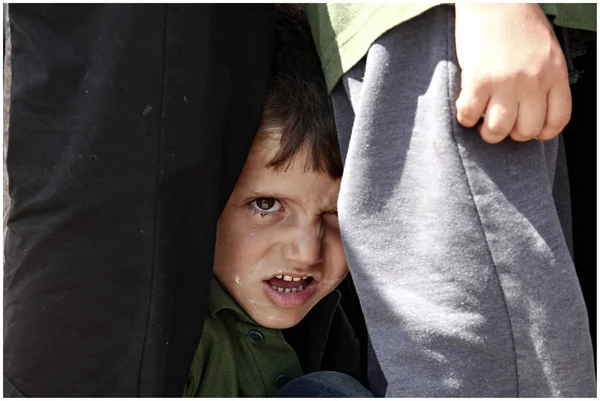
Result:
pixel 222 315
pixel 214 355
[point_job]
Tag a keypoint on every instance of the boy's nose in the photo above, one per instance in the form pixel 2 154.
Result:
pixel 305 245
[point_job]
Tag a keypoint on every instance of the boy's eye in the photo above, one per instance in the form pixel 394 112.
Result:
pixel 266 205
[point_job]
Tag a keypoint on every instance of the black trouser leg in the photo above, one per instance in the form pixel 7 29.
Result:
pixel 129 126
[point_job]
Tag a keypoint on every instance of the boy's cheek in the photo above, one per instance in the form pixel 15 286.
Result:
pixel 337 256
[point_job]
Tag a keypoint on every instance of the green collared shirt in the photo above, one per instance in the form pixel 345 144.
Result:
pixel 237 357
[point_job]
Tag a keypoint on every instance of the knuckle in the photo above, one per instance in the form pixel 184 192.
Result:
pixel 531 80
pixel 561 73
pixel 468 111
pixel 507 81
pixel 518 138
pixel 521 137
pixel 474 80
pixel 528 132
pixel 498 129
pixel 548 135
pixel 559 121
pixel 492 139
pixel 558 63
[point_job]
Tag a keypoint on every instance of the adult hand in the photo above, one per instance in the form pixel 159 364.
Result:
pixel 513 72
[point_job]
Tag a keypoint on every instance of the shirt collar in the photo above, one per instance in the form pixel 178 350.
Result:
pixel 219 299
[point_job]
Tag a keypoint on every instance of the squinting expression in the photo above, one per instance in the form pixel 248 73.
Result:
pixel 278 249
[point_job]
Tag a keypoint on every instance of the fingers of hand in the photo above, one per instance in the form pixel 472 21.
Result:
pixel 530 118
pixel 558 110
pixel 500 117
pixel 470 105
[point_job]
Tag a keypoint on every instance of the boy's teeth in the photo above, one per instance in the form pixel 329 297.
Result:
pixel 279 289
pixel 285 277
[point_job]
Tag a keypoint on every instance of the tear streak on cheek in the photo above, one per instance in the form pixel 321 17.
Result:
pixel 237 280
pixel 257 268
pixel 255 304
pixel 259 303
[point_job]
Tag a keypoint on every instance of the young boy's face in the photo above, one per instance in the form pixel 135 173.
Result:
pixel 278 249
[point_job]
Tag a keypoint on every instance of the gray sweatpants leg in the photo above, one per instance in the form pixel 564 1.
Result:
pixel 455 246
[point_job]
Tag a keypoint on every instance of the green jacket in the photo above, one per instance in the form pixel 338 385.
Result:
pixel 237 357
pixel 343 33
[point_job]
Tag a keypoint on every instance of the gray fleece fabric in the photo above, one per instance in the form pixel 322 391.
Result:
pixel 460 250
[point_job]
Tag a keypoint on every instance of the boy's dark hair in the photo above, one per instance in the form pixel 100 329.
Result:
pixel 297 103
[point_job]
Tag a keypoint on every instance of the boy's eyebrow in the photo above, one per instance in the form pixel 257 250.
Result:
pixel 265 193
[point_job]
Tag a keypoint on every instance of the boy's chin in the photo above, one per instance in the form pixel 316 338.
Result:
pixel 272 321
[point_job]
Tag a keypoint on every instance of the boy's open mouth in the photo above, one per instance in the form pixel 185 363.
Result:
pixel 286 283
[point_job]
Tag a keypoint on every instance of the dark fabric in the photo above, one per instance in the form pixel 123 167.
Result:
pixel 344 349
pixel 579 47
pixel 129 125
pixel 9 390
pixel 339 343
pixel 580 137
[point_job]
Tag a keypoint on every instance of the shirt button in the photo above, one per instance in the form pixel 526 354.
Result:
pixel 256 337
pixel 281 381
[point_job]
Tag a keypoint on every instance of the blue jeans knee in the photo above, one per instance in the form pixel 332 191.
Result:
pixel 324 385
